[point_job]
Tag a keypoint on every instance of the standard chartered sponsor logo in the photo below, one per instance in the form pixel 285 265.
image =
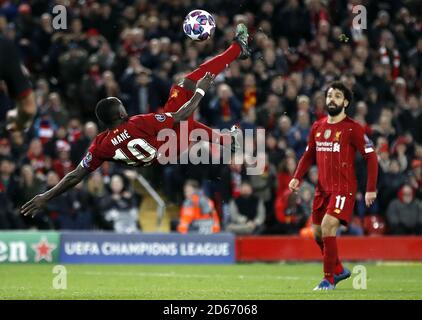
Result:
pixel 325 146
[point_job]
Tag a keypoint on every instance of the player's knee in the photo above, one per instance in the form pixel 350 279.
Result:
pixel 328 232
pixel 325 230
pixel 329 227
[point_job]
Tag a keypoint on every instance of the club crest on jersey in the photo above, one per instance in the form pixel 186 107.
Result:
pixel 327 134
pixel 160 117
pixel 174 94
pixel 337 136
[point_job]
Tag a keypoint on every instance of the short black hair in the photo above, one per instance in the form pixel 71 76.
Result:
pixel 348 94
pixel 107 110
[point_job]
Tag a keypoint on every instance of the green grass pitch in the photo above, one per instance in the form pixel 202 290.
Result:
pixel 215 282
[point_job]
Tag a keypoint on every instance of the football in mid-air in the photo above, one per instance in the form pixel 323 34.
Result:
pixel 199 25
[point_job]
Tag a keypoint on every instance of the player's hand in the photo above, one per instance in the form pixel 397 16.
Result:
pixel 34 205
pixel 294 185
pixel 370 198
pixel 206 81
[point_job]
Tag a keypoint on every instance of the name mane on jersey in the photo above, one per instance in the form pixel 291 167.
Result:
pixel 120 138
pixel 327 146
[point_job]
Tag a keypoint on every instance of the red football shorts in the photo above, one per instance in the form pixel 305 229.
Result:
pixel 177 98
pixel 339 205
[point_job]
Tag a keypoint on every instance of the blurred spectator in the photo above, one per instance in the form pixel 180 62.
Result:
pixel 143 91
pixel 247 212
pixel 250 92
pixel 411 118
pixel 120 207
pixel 18 146
pixel 109 86
pixel 45 127
pixel 59 140
pixel 404 213
pixel 57 110
pixel 283 127
pixel 415 56
pixel 9 184
pixel 36 158
pixel 225 108
pixel 292 21
pixel 74 130
pixel 9 196
pixel 63 165
pixel 290 214
pixel 198 213
pixel 385 127
pixel 390 183
pixel 79 147
pixel 30 185
pixel 89 89
pixel 416 177
pixel 306 194
pixel 5 149
pixel 275 153
pixel 265 184
pixel 48 218
pixel 268 114
pixel 97 190
pixel 286 170
pixel 298 134
pixel 78 213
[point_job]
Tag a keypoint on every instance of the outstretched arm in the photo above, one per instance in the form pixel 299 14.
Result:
pixel 189 107
pixel 69 181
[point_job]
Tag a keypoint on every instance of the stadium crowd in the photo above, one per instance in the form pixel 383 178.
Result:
pixel 135 50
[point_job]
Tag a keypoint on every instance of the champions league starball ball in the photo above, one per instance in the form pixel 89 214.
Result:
pixel 199 25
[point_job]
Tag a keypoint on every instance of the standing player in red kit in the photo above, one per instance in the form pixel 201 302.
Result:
pixel 134 140
pixel 333 142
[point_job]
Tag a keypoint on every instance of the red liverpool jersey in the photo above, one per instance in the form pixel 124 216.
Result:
pixel 334 147
pixel 133 142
